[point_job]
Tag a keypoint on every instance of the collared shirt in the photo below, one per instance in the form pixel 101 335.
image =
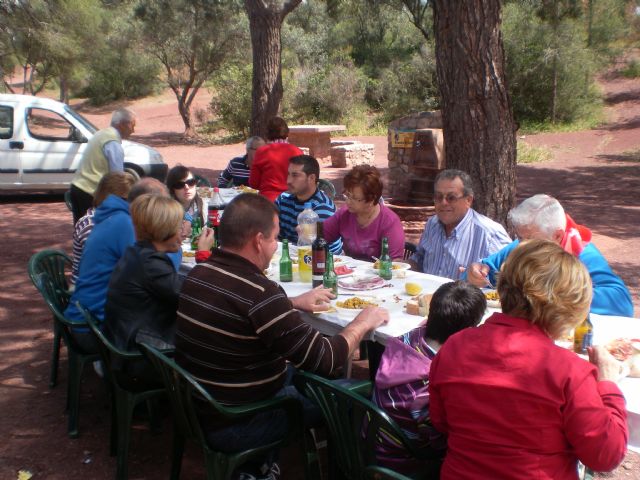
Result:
pixel 114 154
pixel 236 173
pixel 290 207
pixel 473 239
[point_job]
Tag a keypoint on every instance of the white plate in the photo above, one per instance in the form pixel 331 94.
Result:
pixel 359 283
pixel 491 303
pixel 397 266
pixel 353 311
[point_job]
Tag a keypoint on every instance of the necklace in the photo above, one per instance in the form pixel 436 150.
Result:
pixel 366 221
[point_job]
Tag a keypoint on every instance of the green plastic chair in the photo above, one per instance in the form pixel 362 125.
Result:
pixel 374 472
pixel 181 388
pixel 354 424
pixel 202 181
pixel 327 187
pixel 67 200
pixel 55 263
pixel 57 300
pixel 127 392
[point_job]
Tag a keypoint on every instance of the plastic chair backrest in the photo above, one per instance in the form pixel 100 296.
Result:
pixel 373 472
pixel 327 187
pixel 409 249
pixel 67 200
pixel 354 424
pixel 202 181
pixel 53 263
pixel 108 350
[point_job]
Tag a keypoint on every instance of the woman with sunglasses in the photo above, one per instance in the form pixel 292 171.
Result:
pixel 182 186
pixel 364 220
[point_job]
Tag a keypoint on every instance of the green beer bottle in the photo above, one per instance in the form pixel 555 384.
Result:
pixel 386 264
pixel 330 279
pixel 285 263
pixel 196 230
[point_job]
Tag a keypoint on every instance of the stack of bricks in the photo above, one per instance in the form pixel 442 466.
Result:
pixel 351 153
pixel 412 167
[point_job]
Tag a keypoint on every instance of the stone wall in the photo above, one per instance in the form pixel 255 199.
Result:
pixel 416 156
pixel 347 153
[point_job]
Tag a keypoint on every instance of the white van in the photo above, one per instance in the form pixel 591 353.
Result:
pixel 41 144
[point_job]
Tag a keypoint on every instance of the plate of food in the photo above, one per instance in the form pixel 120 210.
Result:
pixel 493 300
pixel 419 305
pixel 626 351
pixel 353 305
pixel 343 270
pixel 362 283
pixel 394 265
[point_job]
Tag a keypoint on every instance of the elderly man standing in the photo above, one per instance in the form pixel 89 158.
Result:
pixel 302 182
pixel 457 235
pixel 542 217
pixel 237 172
pixel 240 335
pixel 102 155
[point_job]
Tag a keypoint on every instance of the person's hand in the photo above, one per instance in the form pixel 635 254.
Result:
pixel 478 274
pixel 205 240
pixel 316 300
pixel 608 367
pixel 373 317
pixel 185 232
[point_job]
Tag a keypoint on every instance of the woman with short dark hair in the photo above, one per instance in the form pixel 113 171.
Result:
pixel 513 404
pixel 364 219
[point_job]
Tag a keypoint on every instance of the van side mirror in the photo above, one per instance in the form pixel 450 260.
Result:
pixel 78 137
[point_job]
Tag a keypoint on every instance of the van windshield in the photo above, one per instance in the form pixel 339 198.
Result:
pixel 86 123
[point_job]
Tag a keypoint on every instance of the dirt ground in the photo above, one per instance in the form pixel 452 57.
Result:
pixel 591 174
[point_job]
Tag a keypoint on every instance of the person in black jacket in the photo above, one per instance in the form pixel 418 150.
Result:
pixel 143 292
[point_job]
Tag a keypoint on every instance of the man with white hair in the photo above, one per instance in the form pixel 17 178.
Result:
pixel 102 155
pixel 542 217
pixel 237 172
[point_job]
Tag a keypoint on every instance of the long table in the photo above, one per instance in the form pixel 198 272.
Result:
pixel 394 298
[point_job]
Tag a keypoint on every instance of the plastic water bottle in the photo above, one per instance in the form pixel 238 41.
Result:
pixel 307 221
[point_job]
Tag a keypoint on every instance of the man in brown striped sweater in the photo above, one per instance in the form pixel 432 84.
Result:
pixel 237 329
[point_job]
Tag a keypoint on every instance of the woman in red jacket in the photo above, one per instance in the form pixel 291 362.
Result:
pixel 271 161
pixel 512 403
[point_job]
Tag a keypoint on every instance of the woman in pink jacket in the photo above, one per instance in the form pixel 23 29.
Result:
pixel 512 403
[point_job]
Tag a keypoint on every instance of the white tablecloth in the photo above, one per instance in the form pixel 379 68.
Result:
pixel 393 298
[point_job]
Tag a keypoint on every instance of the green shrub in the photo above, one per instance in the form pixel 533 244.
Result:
pixel 632 70
pixel 327 94
pixel 533 50
pixel 231 102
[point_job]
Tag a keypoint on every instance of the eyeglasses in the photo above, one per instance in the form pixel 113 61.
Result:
pixel 348 198
pixel 191 182
pixel 449 197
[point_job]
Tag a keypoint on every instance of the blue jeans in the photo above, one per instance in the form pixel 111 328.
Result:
pixel 264 427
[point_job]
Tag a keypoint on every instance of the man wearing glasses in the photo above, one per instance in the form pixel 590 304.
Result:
pixel 457 235
pixel 237 172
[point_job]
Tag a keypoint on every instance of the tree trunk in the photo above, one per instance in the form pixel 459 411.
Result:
pixel 265 24
pixel 478 125
pixel 64 89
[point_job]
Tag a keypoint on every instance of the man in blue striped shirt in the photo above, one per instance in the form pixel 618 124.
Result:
pixel 457 235
pixel 237 172
pixel 302 182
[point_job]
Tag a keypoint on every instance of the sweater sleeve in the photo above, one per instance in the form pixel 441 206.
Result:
pixel 255 174
pixel 331 227
pixel 436 404
pixel 282 329
pixel 595 422
pixel 610 294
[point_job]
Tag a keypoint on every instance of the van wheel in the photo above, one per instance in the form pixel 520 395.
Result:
pixel 134 171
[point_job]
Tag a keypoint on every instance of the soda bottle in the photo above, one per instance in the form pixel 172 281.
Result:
pixel 386 265
pixel 216 206
pixel 318 257
pixel 583 336
pixel 196 230
pixel 285 263
pixel 330 279
pixel 307 221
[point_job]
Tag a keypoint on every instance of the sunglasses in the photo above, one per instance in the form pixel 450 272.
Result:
pixel 180 185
